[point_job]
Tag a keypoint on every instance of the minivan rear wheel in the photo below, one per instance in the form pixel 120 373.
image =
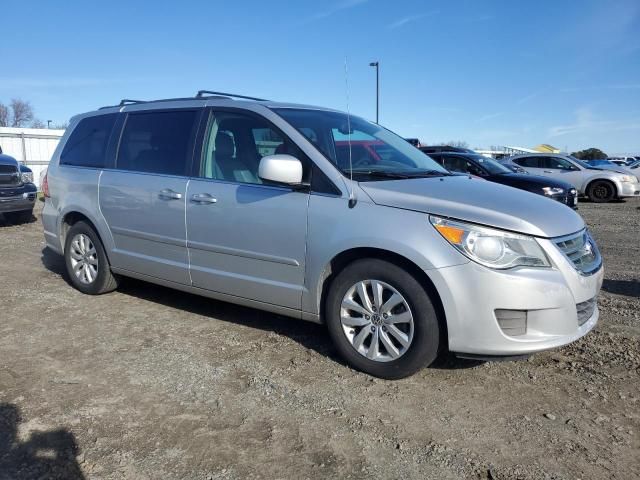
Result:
pixel 601 191
pixel 86 261
pixel 381 319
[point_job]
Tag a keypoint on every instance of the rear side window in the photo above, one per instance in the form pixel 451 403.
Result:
pixel 556 163
pixel 531 162
pixel 157 142
pixel 87 144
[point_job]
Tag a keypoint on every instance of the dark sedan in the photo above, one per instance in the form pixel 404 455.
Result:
pixel 490 169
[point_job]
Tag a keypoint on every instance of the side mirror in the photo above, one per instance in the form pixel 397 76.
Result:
pixel 283 169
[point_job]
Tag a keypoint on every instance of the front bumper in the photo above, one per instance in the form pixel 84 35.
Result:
pixel 629 189
pixel 18 198
pixel 474 297
pixel 571 200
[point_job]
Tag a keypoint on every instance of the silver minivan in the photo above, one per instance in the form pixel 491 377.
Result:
pixel 322 216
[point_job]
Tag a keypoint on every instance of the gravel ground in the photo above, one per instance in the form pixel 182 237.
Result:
pixel 151 383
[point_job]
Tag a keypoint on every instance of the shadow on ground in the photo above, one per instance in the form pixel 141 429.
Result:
pixel 6 223
pixel 630 288
pixel 308 334
pixel 49 454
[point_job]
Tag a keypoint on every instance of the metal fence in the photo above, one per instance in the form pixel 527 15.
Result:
pixel 31 146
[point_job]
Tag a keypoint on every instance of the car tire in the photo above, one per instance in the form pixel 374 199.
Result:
pixel 601 191
pixel 86 261
pixel 402 348
pixel 20 217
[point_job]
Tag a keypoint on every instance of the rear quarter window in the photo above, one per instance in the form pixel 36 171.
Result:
pixel 531 162
pixel 87 144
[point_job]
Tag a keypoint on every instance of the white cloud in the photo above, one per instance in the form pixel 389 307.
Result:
pixel 344 5
pixel 489 116
pixel 527 98
pixel 411 18
pixel 587 122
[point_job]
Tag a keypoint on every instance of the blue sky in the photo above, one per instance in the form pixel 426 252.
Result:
pixel 486 72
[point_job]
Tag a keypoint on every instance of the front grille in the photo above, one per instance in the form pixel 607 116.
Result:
pixel 586 309
pixel 9 176
pixel 581 251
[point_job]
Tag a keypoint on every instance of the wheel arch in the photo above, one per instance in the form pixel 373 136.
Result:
pixel 73 216
pixel 344 258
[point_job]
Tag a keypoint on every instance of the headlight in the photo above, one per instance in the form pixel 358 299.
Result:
pixel 629 179
pixel 27 177
pixel 491 247
pixel 553 190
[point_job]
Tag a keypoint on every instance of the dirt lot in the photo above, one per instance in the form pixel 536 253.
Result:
pixel 151 383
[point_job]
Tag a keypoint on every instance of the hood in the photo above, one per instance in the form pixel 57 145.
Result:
pixel 7 160
pixel 612 168
pixel 534 183
pixel 485 203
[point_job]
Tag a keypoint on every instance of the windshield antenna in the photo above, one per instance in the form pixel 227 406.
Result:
pixel 352 195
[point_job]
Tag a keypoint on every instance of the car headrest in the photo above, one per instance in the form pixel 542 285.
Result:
pixel 224 145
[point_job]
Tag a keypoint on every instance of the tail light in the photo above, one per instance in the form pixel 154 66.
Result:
pixel 45 185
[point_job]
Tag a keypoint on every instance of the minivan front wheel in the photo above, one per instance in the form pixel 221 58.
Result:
pixel 382 320
pixel 87 264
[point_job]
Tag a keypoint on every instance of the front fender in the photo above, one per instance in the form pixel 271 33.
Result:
pixel 334 228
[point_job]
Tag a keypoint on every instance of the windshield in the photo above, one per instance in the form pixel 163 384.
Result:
pixel 493 166
pixel 355 145
pixel 582 163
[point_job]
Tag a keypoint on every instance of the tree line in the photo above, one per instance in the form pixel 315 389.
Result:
pixel 19 114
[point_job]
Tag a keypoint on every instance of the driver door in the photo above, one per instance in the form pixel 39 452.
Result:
pixel 561 169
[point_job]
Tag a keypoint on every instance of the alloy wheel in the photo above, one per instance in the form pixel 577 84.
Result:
pixel 84 258
pixel 377 320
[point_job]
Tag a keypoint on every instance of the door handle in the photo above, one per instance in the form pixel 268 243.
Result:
pixel 547 171
pixel 203 198
pixel 168 194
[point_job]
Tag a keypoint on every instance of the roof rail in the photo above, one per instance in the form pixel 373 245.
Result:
pixel 202 93
pixel 127 101
pixel 123 102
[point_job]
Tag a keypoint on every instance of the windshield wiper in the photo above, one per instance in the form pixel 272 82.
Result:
pixel 400 175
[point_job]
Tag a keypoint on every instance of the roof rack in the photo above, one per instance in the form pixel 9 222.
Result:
pixel 123 102
pixel 202 93
pixel 127 101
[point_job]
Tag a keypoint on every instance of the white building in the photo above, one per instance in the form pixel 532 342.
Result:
pixel 31 146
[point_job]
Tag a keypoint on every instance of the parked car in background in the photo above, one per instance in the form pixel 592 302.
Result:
pixel 622 161
pixel 607 165
pixel 492 170
pixel 598 184
pixel 17 190
pixel 260 203
pixel 512 166
pixel 444 148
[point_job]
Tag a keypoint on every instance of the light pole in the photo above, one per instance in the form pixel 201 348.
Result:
pixel 377 66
